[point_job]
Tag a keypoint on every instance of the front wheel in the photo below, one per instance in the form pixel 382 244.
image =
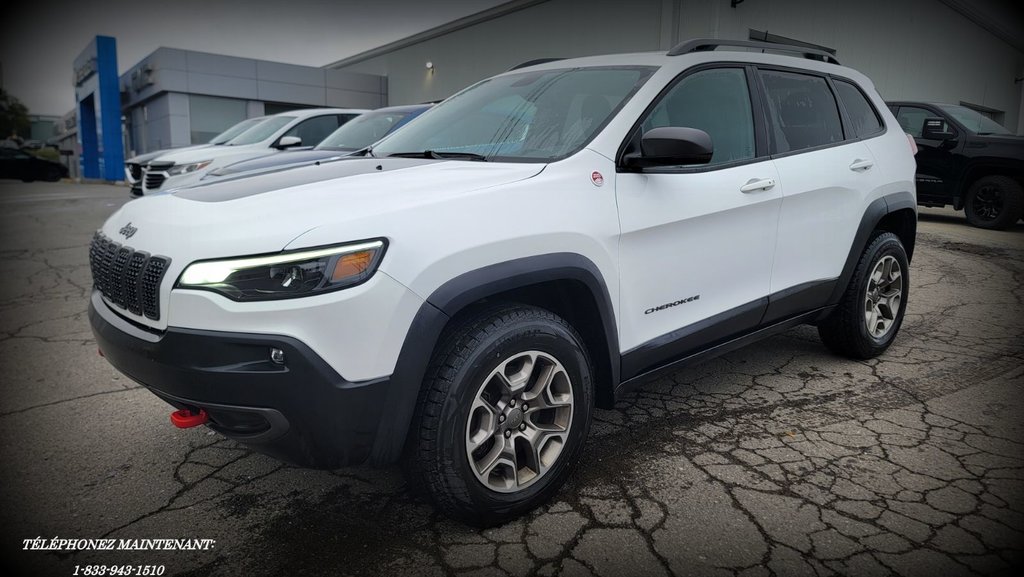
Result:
pixel 503 415
pixel 994 202
pixel 871 310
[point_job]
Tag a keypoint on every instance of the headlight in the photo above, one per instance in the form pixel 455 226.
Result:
pixel 286 275
pixel 186 168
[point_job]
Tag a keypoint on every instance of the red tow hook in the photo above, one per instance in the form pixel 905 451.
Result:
pixel 186 419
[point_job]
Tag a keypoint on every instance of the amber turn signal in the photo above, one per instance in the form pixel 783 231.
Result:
pixel 352 264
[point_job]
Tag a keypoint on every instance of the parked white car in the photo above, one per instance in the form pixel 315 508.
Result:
pixel 464 295
pixel 136 165
pixel 284 131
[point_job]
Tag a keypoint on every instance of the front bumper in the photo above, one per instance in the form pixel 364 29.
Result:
pixel 301 411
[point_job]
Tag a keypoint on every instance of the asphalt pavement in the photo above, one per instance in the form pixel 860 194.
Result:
pixel 778 459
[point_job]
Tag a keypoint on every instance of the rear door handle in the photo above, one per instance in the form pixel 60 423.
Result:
pixel 757 184
pixel 861 164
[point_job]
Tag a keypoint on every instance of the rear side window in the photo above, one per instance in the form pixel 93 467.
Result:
pixel 862 115
pixel 716 101
pixel 803 110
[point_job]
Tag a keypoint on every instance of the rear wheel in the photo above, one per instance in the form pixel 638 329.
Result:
pixel 994 202
pixel 871 310
pixel 505 411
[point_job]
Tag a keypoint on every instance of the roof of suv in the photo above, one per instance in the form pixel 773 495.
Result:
pixel 304 112
pixel 703 50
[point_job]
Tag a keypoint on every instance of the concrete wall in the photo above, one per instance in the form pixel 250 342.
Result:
pixel 187 72
pixel 912 49
pixel 549 29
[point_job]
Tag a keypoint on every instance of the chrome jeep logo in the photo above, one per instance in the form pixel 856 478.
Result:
pixel 128 230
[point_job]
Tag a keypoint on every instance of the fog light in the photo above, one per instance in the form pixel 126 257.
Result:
pixel 277 355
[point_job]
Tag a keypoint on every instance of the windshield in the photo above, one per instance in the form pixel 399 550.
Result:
pixel 236 130
pixel 973 120
pixel 530 116
pixel 362 130
pixel 261 131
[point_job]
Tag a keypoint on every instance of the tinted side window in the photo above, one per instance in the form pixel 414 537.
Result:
pixel 716 101
pixel 803 110
pixel 911 119
pixel 862 115
pixel 314 130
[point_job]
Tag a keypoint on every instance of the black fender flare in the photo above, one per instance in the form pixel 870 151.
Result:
pixel 873 214
pixel 454 296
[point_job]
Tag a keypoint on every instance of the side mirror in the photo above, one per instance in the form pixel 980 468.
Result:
pixel 288 142
pixel 672 146
pixel 936 129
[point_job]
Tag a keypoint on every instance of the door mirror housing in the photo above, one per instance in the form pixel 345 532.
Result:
pixel 288 142
pixel 671 146
pixel 936 128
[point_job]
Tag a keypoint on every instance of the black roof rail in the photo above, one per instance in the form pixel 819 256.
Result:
pixel 534 62
pixel 708 44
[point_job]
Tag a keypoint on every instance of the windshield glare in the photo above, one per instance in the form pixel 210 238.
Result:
pixel 236 130
pixel 974 120
pixel 530 116
pixel 261 131
pixel 362 130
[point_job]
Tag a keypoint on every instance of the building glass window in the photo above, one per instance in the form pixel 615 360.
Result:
pixel 210 115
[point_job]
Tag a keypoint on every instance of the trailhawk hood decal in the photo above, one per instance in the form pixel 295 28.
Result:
pixel 235 188
pixel 266 213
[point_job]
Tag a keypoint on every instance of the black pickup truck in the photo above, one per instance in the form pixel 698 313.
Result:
pixel 967 160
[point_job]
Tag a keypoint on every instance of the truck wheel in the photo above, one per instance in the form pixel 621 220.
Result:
pixel 503 415
pixel 870 312
pixel 994 202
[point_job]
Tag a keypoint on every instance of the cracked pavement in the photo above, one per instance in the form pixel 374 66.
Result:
pixel 778 459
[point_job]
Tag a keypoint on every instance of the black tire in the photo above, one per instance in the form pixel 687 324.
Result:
pixel 994 202
pixel 437 463
pixel 845 331
pixel 53 175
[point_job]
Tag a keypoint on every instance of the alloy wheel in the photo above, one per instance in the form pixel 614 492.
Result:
pixel 987 203
pixel 884 295
pixel 519 421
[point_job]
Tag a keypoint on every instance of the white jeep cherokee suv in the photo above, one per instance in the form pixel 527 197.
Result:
pixel 463 294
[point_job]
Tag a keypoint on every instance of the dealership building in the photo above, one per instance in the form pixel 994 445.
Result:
pixel 174 98
pixel 955 51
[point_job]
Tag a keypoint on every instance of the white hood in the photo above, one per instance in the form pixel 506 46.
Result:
pixel 222 151
pixel 266 213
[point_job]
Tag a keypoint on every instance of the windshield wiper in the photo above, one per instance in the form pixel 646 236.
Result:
pixel 441 155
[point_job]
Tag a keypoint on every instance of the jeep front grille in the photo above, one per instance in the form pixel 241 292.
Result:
pixel 130 279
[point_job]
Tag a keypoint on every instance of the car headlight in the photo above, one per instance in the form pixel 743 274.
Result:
pixel 288 274
pixel 186 168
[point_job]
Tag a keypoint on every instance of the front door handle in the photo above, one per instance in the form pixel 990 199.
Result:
pixel 861 164
pixel 756 184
